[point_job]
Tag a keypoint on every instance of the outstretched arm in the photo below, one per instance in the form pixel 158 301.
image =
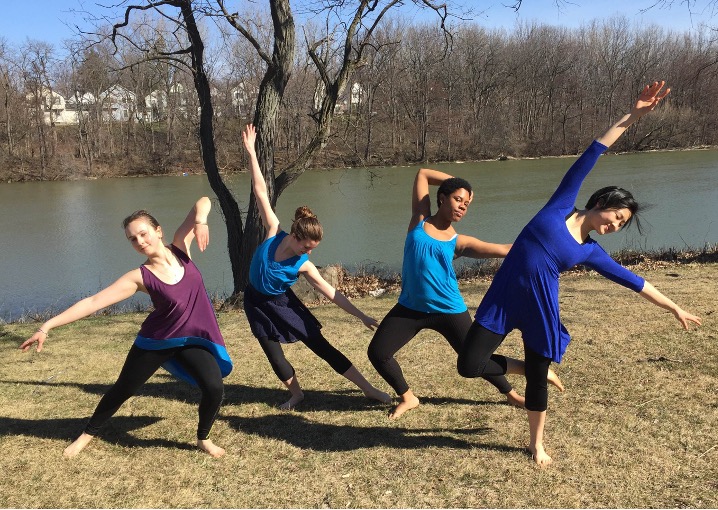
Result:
pixel 467 246
pixel 657 298
pixel 194 225
pixel 259 187
pixel 647 101
pixel 123 288
pixel 312 275
pixel 420 199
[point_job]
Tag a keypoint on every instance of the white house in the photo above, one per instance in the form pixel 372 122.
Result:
pixel 119 104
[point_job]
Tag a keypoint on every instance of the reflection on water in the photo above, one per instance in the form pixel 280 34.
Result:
pixel 63 240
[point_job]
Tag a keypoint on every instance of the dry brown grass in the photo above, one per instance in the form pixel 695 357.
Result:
pixel 635 428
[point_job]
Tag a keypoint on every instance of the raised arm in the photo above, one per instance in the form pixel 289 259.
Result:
pixel 467 246
pixel 123 288
pixel 312 275
pixel 657 298
pixel 194 225
pixel 420 199
pixel 259 187
pixel 647 101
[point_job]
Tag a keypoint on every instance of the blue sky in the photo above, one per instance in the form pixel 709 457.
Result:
pixel 52 20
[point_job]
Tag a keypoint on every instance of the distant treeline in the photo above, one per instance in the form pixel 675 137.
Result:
pixel 420 96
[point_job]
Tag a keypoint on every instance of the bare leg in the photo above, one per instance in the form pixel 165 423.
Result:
pixel 369 391
pixel 295 390
pixel 514 399
pixel 408 402
pixel 78 445
pixel 537 419
pixel 517 367
pixel 206 445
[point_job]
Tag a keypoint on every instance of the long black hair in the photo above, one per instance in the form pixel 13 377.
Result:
pixel 613 197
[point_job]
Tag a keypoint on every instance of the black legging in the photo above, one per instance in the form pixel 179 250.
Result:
pixel 318 345
pixel 402 324
pixel 477 359
pixel 141 364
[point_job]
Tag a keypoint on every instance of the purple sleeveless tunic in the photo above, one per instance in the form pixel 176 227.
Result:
pixel 183 316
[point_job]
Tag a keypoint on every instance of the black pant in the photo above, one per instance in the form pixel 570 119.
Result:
pixel 318 345
pixel 476 359
pixel 141 364
pixel 402 324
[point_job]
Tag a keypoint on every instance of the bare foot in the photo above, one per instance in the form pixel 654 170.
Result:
pixel 539 456
pixel 206 445
pixel 514 399
pixel 553 379
pixel 292 402
pixel 408 402
pixel 78 445
pixel 379 395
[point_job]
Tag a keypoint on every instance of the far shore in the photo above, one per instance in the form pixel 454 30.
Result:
pixel 191 169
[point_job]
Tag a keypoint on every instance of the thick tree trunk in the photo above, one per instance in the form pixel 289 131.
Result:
pixel 227 202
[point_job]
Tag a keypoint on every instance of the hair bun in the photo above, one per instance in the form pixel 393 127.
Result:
pixel 303 212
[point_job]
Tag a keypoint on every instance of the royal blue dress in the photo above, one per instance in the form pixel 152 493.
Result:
pixel 524 293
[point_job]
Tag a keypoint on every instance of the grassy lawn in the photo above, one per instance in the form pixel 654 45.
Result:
pixel 636 427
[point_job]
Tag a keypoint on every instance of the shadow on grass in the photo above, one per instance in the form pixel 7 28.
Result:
pixel 292 428
pixel 238 394
pixel 117 430
pixel 309 435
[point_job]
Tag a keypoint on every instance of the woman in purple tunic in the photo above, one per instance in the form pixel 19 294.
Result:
pixel 181 334
pixel 524 293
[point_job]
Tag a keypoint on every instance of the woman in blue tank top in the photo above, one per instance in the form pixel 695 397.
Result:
pixel 430 296
pixel 274 313
pixel 181 334
pixel 524 293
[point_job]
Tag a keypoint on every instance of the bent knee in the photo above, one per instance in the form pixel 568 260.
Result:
pixel 469 368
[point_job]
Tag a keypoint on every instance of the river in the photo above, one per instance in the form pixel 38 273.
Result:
pixel 63 240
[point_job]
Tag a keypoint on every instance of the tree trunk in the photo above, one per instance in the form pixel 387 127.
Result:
pixel 229 206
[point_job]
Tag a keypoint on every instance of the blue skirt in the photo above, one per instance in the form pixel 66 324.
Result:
pixel 282 318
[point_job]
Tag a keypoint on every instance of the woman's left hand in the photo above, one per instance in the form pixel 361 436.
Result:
pixel 201 234
pixel 370 322
pixel 684 317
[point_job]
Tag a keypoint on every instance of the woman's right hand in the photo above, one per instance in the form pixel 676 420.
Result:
pixel 249 136
pixel 40 336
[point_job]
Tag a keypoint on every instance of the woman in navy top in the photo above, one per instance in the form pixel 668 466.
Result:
pixel 181 334
pixel 274 313
pixel 524 293
pixel 430 296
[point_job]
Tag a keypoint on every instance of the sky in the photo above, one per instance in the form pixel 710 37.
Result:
pixel 53 21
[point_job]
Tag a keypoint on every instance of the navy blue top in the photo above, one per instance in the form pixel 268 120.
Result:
pixel 428 280
pixel 524 293
pixel 269 276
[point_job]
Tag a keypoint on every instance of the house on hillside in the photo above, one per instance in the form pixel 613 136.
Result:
pixel 52 105
pixel 119 104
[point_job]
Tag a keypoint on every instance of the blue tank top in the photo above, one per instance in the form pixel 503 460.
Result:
pixel 428 280
pixel 269 276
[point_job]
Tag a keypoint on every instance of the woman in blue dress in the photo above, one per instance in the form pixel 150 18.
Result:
pixel 524 293
pixel 275 314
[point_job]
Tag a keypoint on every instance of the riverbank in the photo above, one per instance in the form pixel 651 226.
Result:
pixel 112 169
pixel 635 427
pixel 370 282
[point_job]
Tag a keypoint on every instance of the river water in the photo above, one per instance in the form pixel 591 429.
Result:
pixel 63 240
